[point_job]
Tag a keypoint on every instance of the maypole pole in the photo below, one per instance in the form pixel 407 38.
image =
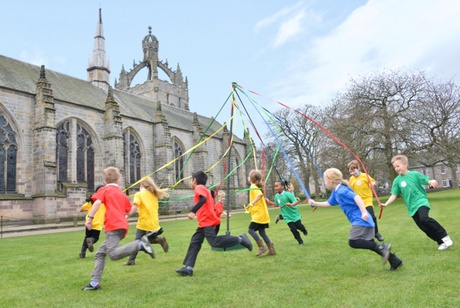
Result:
pixel 227 200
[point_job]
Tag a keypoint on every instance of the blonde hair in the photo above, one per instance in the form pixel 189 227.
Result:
pixel 111 175
pixel 402 158
pixel 150 185
pixel 255 177
pixel 335 176
pixel 353 165
pixel 221 194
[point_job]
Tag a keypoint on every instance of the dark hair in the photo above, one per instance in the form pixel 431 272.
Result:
pixel 200 177
pixel 89 198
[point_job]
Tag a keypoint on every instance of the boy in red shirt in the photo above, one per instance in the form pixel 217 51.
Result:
pixel 207 222
pixel 115 224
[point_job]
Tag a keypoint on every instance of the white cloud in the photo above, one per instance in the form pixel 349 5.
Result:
pixel 290 28
pixel 415 34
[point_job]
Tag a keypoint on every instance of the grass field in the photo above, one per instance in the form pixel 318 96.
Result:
pixel 45 271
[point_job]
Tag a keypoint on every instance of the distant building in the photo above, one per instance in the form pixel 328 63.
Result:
pixel 57 134
pixel 441 173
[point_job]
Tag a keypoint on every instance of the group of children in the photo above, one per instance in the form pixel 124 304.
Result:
pixel 354 197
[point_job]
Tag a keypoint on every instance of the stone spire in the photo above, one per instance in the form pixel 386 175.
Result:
pixel 98 68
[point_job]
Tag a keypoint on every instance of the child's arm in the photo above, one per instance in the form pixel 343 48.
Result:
pixel 433 183
pixel 362 207
pixel 89 222
pixel 319 204
pixel 256 199
pixel 197 206
pixel 390 200
pixel 133 210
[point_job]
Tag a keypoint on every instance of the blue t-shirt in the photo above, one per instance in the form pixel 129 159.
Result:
pixel 345 197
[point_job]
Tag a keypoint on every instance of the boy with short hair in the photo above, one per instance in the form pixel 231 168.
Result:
pixel 115 224
pixel 409 185
pixel 361 184
pixel 207 222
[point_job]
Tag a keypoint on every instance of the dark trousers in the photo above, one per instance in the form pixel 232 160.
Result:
pixel 221 241
pixel 294 226
pixel 431 227
pixel 91 233
pixel 370 209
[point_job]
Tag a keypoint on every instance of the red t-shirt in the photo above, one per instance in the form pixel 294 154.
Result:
pixel 206 215
pixel 116 206
pixel 219 208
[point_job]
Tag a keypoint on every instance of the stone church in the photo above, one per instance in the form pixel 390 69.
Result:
pixel 57 134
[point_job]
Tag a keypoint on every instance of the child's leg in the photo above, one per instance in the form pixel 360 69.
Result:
pixel 370 209
pixel 194 247
pixel 294 231
pixel 221 241
pixel 428 225
pixel 95 235
pixel 363 238
pixel 254 234
pixel 113 249
pixel 264 236
pixel 132 257
pixel 301 227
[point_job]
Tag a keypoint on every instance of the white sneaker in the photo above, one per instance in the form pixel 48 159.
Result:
pixel 447 243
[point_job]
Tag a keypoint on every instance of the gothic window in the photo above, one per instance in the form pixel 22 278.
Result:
pixel 85 158
pixel 132 157
pixel 83 162
pixel 8 157
pixel 179 163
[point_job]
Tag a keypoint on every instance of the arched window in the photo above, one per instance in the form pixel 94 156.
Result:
pixel 85 158
pixel 82 162
pixel 132 157
pixel 8 157
pixel 178 164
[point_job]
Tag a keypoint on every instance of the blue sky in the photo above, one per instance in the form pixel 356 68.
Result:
pixel 295 52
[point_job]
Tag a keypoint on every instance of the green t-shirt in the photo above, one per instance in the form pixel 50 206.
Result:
pixel 411 189
pixel 289 214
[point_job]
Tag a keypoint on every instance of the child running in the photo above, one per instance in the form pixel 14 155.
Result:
pixel 219 205
pixel 361 184
pixel 92 235
pixel 148 223
pixel 207 221
pixel 116 226
pixel 291 189
pixel 362 226
pixel 288 205
pixel 260 218
pixel 409 185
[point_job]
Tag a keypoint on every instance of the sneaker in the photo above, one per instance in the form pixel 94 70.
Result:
pixel 130 262
pixel 82 255
pixel 183 271
pixel 447 243
pixel 385 249
pixel 152 235
pixel 246 242
pixel 379 237
pixel 147 248
pixel 305 232
pixel 277 219
pixel 89 287
pixel 89 243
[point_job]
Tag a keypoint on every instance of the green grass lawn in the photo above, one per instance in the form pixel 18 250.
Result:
pixel 45 271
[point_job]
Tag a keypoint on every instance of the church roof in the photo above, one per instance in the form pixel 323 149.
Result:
pixel 21 76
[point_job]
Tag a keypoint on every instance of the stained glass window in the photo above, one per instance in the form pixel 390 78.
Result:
pixel 178 164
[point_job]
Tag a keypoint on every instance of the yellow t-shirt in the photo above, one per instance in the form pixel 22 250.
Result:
pixel 98 220
pixel 361 186
pixel 259 211
pixel 147 209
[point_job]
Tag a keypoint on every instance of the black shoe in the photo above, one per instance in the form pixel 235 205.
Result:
pixel 395 262
pixel 147 248
pixel 130 262
pixel 305 232
pixel 82 255
pixel 183 271
pixel 277 219
pixel 384 252
pixel 246 242
pixel 89 287
pixel 379 237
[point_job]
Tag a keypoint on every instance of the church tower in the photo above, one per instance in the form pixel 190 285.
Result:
pixel 98 68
